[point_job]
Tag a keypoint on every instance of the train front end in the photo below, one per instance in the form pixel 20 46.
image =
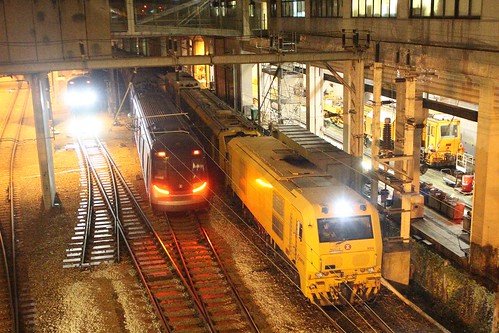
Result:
pixel 347 264
pixel 179 177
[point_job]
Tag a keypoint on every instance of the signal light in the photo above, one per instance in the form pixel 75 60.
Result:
pixel 161 154
pixel 196 152
pixel 161 190
pixel 199 188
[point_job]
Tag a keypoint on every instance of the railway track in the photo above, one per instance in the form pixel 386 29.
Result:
pixel 354 318
pixel 200 263
pixel 179 307
pixel 95 240
pixel 17 308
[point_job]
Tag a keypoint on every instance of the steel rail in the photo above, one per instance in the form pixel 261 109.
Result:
pixel 10 282
pixel 240 302
pixel 12 214
pixel 90 206
pixel 200 304
pixel 156 238
pixel 134 258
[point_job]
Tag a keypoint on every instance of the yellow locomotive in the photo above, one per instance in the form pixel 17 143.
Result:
pixel 327 231
pixel 441 138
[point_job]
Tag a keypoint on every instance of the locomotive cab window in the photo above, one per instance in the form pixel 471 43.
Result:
pixel 345 228
pixel 449 131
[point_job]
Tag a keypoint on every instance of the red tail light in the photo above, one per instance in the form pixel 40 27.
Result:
pixel 197 188
pixel 163 191
pixel 161 154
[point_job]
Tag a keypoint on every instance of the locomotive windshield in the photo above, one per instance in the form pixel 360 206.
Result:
pixel 449 131
pixel 173 171
pixel 345 228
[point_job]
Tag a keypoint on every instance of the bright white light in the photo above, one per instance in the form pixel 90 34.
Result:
pixel 366 165
pixel 85 126
pixel 343 208
pixel 82 98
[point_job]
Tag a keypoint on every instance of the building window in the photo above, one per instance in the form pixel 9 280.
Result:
pixel 375 8
pixel 273 8
pixel 446 8
pixel 293 8
pixel 326 8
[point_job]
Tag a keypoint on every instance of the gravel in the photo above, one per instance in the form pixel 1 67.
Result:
pixel 110 298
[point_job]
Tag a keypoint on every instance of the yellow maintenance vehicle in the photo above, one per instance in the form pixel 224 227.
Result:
pixel 441 137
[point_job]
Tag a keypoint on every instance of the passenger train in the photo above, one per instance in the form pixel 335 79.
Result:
pixel 172 159
pixel 329 233
pixel 214 119
pixel 83 95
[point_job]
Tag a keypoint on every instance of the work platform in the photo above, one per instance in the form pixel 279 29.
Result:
pixel 445 237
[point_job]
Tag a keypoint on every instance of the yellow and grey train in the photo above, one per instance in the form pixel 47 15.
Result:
pixel 329 233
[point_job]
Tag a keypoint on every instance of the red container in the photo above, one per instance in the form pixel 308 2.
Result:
pixel 467 183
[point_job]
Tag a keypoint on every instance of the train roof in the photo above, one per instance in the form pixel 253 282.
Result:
pixel 295 172
pixel 160 115
pixel 221 115
pixel 334 161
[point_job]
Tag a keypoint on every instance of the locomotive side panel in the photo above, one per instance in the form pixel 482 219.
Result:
pixel 291 200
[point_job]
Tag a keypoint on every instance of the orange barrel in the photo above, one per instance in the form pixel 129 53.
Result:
pixel 467 183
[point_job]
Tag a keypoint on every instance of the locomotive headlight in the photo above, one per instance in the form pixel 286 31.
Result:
pixel 81 98
pixel 343 208
pixel 88 98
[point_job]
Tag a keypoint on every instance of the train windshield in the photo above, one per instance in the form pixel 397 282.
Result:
pixel 449 131
pixel 174 171
pixel 345 228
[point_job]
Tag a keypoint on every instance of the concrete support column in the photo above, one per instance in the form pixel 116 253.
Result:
pixel 260 88
pixel 484 247
pixel 404 146
pixel 353 109
pixel 376 129
pixel 314 96
pixel 40 97
pixel 246 28
pixel 164 46
pixel 130 14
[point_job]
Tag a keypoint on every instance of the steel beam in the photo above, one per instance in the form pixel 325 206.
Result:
pixel 302 57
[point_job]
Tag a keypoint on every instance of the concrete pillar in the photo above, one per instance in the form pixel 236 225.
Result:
pixel 246 28
pixel 404 146
pixel 353 130
pixel 314 96
pixel 484 247
pixel 376 129
pixel 163 46
pixel 130 14
pixel 40 97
